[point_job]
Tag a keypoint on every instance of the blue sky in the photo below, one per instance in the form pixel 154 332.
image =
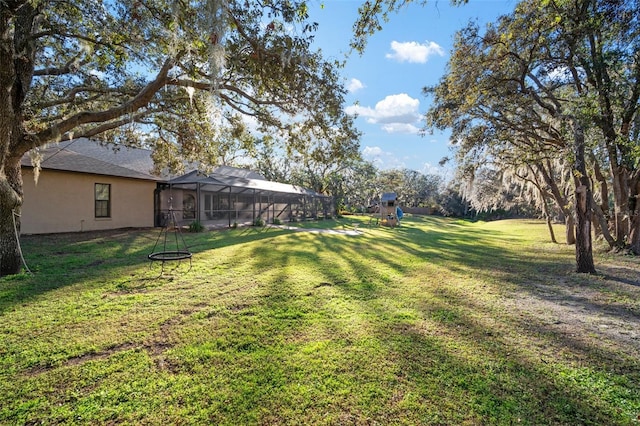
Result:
pixel 386 81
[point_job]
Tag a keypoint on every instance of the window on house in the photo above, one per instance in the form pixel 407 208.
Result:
pixel 103 199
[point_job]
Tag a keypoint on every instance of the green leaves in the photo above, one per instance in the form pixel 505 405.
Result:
pixel 118 70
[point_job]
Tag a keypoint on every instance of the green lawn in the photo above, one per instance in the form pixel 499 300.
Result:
pixel 435 322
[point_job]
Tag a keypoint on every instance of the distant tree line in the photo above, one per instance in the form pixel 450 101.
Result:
pixel 357 184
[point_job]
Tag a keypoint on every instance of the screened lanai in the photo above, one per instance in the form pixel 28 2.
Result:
pixel 223 199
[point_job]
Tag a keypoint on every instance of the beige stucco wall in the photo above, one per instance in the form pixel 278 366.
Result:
pixel 64 202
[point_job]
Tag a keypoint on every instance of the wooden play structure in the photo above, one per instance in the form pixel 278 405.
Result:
pixel 388 209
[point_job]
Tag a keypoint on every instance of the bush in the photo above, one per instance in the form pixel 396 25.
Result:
pixel 258 222
pixel 196 226
pixel 277 221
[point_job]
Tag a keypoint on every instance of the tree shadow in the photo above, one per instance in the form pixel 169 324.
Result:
pixel 448 354
pixel 497 362
pixel 67 259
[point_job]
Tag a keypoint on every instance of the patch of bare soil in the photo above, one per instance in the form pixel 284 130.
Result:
pixel 586 313
pixel 74 237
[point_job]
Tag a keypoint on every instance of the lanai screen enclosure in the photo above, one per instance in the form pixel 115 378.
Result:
pixel 224 200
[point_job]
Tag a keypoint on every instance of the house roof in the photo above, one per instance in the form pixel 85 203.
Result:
pixel 87 156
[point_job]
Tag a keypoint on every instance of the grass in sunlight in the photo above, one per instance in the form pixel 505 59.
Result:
pixel 438 321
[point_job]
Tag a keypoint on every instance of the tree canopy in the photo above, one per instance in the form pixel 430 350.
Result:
pixel 553 80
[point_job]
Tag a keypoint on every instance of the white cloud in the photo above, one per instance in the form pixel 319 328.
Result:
pixel 562 75
pixel 398 108
pixel 359 110
pixel 380 158
pixel 400 128
pixel 372 151
pixel 355 85
pixel 395 113
pixel 414 52
pixel 251 122
pixel 446 172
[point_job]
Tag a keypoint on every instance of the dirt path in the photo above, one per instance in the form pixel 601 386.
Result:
pixel 602 314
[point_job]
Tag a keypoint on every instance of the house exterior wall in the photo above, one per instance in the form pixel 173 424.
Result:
pixel 64 202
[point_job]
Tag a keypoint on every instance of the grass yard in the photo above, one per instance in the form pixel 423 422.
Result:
pixel 437 322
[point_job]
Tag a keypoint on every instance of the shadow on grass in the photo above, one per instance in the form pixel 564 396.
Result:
pixel 61 260
pixel 439 352
pixel 465 358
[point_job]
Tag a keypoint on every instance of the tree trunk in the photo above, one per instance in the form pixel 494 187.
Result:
pixel 621 206
pixel 548 216
pixel 601 211
pixel 584 249
pixel 10 203
pixel 604 187
pixel 10 262
pixel 634 214
pixel 550 226
pixel 570 229
pixel 620 195
pixel 546 170
pixel 604 225
pixel 634 245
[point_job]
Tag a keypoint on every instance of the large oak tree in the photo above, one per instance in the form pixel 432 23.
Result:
pixel 554 79
pixel 168 74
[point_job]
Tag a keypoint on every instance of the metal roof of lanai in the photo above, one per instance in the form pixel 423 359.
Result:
pixel 236 184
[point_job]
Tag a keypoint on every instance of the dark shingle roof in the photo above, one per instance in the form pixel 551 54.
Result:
pixel 87 156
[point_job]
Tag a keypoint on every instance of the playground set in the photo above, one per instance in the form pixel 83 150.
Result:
pixel 390 211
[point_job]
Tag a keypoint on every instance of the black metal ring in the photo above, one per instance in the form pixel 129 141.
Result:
pixel 165 256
